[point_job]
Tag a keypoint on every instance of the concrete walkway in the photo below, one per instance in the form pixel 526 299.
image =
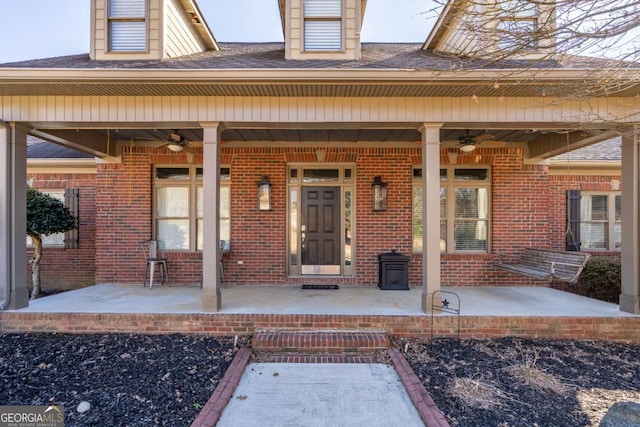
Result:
pixel 358 393
pixel 316 395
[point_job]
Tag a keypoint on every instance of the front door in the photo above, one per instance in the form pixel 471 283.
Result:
pixel 320 230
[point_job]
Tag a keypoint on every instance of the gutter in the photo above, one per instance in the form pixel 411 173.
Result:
pixel 4 303
pixel 60 162
pixel 298 75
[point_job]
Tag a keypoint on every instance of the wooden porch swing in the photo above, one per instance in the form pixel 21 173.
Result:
pixel 550 265
pixel 545 264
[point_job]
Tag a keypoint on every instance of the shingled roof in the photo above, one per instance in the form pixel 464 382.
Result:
pixel 609 150
pixel 39 149
pixel 272 56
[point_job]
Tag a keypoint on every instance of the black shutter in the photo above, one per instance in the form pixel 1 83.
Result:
pixel 71 202
pixel 573 220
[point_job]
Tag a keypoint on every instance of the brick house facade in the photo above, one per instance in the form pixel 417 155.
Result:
pixel 184 128
pixel 528 208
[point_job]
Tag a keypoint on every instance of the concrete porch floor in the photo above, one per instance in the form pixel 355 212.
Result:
pixel 474 301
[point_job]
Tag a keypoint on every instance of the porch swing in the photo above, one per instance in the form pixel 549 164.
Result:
pixel 546 264
pixel 550 265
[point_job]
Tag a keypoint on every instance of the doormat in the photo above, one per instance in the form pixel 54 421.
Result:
pixel 320 287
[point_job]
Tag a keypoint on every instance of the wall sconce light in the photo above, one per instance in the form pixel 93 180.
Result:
pixel 264 194
pixel 379 194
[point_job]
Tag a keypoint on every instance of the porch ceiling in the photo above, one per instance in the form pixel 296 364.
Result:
pixel 350 89
pixel 329 133
pixel 540 143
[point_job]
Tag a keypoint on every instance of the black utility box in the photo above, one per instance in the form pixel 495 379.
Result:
pixel 393 271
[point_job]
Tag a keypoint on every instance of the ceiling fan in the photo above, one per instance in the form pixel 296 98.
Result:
pixel 467 143
pixel 174 142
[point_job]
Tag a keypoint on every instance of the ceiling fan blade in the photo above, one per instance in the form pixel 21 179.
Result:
pixel 492 144
pixel 153 142
pixel 483 137
pixel 450 144
pixel 158 143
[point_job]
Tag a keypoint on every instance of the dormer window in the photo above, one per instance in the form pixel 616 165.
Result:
pixel 322 25
pixel 127 25
pixel 518 25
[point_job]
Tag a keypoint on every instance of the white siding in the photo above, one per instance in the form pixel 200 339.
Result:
pixel 181 38
pixel 461 36
pixel 140 110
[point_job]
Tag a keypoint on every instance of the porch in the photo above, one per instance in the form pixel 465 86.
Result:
pixel 536 312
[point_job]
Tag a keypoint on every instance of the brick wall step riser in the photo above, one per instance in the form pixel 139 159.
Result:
pixel 320 342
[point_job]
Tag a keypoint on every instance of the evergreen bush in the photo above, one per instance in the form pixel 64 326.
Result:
pixel 601 278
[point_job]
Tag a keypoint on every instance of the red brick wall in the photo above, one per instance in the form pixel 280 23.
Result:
pixel 125 218
pixel 379 232
pixel 69 268
pixel 527 209
pixel 258 238
pixel 620 329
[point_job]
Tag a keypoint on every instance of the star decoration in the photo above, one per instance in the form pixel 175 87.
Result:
pixel 445 303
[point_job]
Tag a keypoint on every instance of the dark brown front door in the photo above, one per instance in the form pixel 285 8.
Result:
pixel 320 230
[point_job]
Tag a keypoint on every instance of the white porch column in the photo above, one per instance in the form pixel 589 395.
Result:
pixel 211 298
pixel 13 217
pixel 430 213
pixel 630 299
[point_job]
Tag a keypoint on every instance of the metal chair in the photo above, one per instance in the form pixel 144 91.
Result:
pixel 154 253
pixel 225 248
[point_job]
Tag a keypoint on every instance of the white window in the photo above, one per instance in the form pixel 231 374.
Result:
pixel 323 25
pixel 464 210
pixel 600 221
pixel 180 203
pixel 127 20
pixel 52 240
pixel 518 24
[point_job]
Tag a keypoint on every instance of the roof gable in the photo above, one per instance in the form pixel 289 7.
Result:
pixel 495 29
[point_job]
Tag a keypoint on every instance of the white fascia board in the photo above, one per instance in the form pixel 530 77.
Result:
pixel 305 75
pixel 564 167
pixel 55 164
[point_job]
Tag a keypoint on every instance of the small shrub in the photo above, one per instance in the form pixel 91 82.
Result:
pixel 601 278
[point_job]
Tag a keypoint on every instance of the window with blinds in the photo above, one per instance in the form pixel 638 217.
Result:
pixel 595 220
pixel 322 25
pixel 179 204
pixel 464 209
pixel 127 26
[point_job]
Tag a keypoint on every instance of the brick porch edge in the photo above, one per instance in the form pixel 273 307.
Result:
pixel 620 329
pixel 212 410
pixel 427 408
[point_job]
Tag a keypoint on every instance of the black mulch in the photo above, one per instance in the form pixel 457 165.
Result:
pixel 140 380
pixel 132 380
pixel 595 375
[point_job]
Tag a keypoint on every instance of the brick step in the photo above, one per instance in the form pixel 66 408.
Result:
pixel 317 358
pixel 316 342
